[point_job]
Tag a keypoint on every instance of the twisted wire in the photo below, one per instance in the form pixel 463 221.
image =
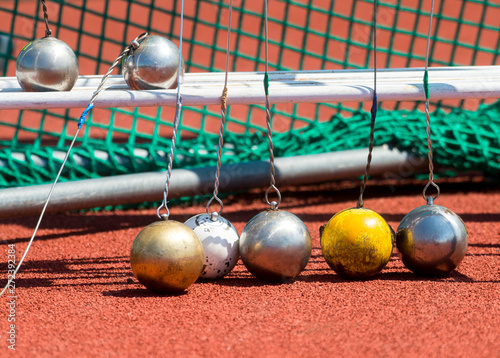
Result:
pixel 270 139
pixel 219 152
pixel 177 116
pixel 115 63
pixel 427 114
pixel 48 31
pixel 170 159
pixel 273 204
pixel 221 139
pixel 223 111
pixel 373 109
pixel 9 282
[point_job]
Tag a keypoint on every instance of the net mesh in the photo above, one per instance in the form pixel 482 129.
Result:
pixel 304 35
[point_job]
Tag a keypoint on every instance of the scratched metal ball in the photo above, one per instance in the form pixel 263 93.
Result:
pixel 47 64
pixel 167 257
pixel 357 243
pixel 220 242
pixel 275 245
pixel 432 240
pixel 154 64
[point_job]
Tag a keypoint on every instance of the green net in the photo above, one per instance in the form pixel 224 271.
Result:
pixel 304 35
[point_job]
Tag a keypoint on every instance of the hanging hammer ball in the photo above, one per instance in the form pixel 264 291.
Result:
pixel 432 240
pixel 275 245
pixel 153 63
pixel 220 242
pixel 167 257
pixel 357 243
pixel 47 64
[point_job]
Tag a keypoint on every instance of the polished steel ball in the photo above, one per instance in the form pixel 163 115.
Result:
pixel 432 240
pixel 220 242
pixel 154 64
pixel 167 257
pixel 47 64
pixel 357 243
pixel 275 245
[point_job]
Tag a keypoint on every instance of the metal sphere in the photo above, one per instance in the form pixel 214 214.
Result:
pixel 275 245
pixel 432 240
pixel 152 65
pixel 220 242
pixel 167 257
pixel 47 64
pixel 357 243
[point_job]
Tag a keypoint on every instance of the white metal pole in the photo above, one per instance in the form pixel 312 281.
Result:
pixel 287 87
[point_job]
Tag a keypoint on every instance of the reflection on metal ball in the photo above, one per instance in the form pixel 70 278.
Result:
pixel 275 245
pixel 167 257
pixel 357 243
pixel 220 243
pixel 154 64
pixel 432 240
pixel 47 64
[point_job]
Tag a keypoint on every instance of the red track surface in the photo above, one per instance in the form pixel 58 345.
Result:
pixel 76 295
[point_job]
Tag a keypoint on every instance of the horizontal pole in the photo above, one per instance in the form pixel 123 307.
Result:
pixel 138 188
pixel 246 88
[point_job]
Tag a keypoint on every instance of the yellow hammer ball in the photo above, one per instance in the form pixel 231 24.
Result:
pixel 167 257
pixel 357 243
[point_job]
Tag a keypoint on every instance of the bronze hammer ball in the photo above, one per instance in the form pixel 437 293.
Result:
pixel 167 257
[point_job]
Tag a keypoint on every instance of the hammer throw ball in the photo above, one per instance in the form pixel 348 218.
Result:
pixel 47 64
pixel 432 240
pixel 275 245
pixel 220 242
pixel 167 257
pixel 154 64
pixel 357 243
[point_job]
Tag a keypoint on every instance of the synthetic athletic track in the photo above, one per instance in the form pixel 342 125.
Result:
pixel 77 297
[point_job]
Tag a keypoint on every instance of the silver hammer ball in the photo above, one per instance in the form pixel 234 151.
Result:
pixel 432 240
pixel 47 64
pixel 154 64
pixel 275 245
